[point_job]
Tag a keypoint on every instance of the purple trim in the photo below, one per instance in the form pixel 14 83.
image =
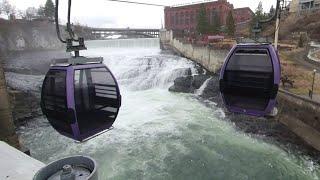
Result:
pixel 226 60
pixel 70 87
pixel 70 100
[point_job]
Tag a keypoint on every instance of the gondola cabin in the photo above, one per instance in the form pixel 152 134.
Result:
pixel 250 78
pixel 80 98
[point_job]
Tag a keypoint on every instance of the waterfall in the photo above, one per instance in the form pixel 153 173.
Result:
pixel 151 71
pixel 203 87
pixel 138 67
pixel 125 43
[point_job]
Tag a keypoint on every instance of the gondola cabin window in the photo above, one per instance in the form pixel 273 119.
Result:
pixel 96 99
pixel 250 60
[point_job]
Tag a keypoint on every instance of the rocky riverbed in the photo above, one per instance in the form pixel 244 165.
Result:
pixel 206 85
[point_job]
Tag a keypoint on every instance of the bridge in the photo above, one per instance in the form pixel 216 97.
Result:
pixel 99 33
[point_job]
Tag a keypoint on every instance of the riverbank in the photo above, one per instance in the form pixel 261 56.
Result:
pixel 267 129
pixel 271 129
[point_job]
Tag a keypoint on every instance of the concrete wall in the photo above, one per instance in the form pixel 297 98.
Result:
pixel 300 115
pixel 209 58
pixel 21 36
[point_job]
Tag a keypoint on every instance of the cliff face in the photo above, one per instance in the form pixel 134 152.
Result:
pixel 27 35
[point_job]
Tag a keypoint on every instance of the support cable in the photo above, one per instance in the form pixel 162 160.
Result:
pixel 141 3
pixel 56 17
pixel 69 28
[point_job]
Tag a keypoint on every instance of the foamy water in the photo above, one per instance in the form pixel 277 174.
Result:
pixel 163 135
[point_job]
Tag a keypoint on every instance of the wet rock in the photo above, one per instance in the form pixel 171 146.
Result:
pixel 24 105
pixel 182 84
pixel 198 80
pixel 199 69
pixel 183 71
pixel 187 71
pixel 212 91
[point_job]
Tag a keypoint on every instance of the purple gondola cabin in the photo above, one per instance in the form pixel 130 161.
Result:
pixel 80 100
pixel 249 79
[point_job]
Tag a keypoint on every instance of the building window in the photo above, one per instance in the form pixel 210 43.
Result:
pixel 172 20
pixel 187 18
pixel 177 19
pixel 192 18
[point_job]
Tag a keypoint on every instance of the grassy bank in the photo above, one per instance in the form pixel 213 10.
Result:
pixel 293 66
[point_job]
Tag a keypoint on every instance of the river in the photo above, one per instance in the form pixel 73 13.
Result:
pixel 163 135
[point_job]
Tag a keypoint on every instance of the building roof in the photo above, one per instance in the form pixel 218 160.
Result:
pixel 243 9
pixel 198 2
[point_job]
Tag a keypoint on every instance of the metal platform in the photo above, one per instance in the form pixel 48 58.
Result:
pixel 14 164
pixel 76 61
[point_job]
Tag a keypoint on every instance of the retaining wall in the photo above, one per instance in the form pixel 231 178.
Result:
pixel 209 58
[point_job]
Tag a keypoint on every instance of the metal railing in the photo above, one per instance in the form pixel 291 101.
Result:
pixel 302 83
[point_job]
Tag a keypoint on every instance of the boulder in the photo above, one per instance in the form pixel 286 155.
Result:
pixel 212 90
pixel 198 80
pixel 199 69
pixel 182 84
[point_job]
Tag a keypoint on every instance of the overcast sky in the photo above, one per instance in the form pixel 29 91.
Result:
pixel 102 13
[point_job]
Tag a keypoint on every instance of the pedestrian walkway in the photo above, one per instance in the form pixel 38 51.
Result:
pixel 17 165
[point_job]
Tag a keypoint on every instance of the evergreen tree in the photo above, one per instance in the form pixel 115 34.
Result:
pixel 272 11
pixel 40 12
pixel 231 27
pixel 216 24
pixel 202 24
pixel 258 15
pixel 49 9
pixel 259 10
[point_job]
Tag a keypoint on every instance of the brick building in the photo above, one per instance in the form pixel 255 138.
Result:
pixel 242 15
pixel 185 17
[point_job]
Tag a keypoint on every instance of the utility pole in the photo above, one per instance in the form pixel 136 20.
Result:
pixel 7 129
pixel 312 87
pixel 276 36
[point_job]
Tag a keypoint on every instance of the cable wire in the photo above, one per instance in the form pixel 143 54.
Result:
pixel 141 3
pixel 69 28
pixel 56 17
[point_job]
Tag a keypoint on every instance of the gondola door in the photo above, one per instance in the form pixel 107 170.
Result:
pixel 97 100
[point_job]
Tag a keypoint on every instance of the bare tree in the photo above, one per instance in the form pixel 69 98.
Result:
pixel 7 8
pixel 31 13
pixel 1 7
pixel 21 14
